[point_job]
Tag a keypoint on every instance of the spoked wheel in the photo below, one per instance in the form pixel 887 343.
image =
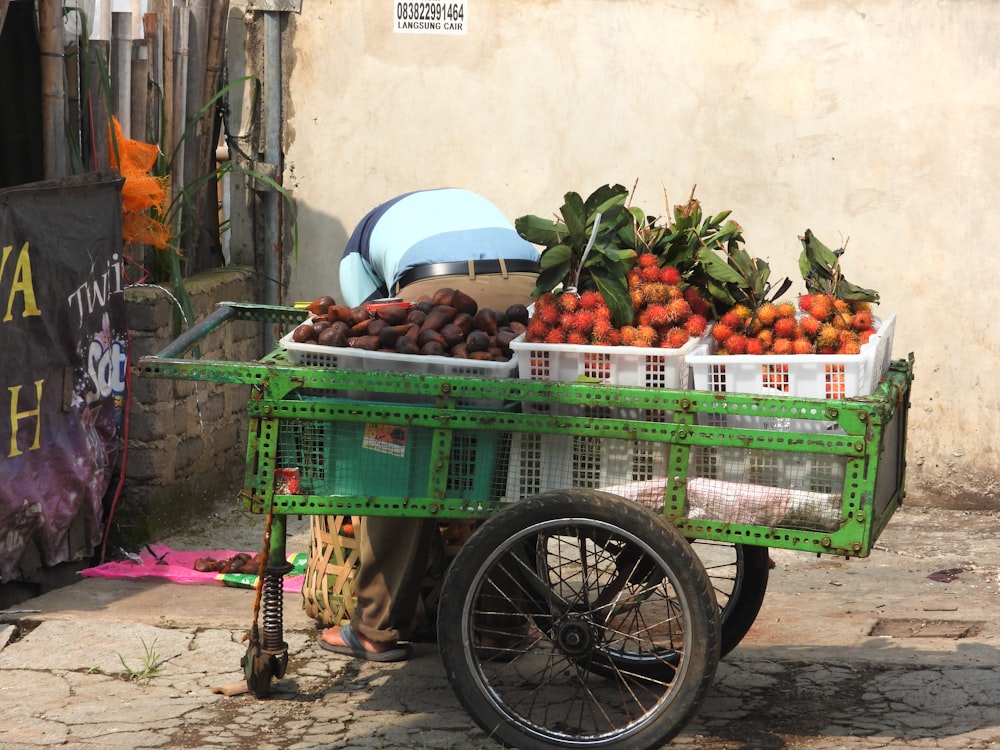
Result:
pixel 739 574
pixel 579 619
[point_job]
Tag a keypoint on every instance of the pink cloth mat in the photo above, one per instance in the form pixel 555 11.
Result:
pixel 178 567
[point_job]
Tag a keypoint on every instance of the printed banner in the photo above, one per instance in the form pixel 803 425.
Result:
pixel 64 339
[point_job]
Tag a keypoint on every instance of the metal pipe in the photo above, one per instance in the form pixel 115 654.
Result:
pixel 272 157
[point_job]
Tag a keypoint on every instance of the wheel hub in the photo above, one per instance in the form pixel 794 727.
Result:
pixel 575 637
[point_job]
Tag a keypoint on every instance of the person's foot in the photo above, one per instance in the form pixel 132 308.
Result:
pixel 343 640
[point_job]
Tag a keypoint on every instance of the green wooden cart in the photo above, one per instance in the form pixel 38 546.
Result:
pixel 624 530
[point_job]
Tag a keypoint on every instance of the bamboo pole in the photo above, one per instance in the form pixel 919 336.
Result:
pixel 50 30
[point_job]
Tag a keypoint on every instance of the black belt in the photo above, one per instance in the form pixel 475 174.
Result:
pixel 466 267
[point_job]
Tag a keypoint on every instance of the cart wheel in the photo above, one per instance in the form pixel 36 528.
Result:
pixel 579 619
pixel 739 575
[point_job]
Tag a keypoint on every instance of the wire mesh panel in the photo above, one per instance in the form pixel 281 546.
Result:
pixel 387 460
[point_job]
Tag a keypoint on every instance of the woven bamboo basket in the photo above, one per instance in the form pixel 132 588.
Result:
pixel 328 587
pixel 328 590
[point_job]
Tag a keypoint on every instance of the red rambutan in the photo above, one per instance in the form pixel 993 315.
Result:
pixel 735 344
pixel 678 310
pixel 647 260
pixel 721 332
pixel 805 302
pixel 569 302
pixel 628 335
pixel 536 330
pixel 784 328
pixel 583 321
pixel 555 336
pixel 810 325
pixel 650 273
pixel 821 307
pixel 675 338
pixel 802 345
pixel 696 325
pixel 754 346
pixel 732 320
pixel 591 299
pixel 767 314
pixel 782 346
pixel 657 315
pixel 862 320
pixel 670 275
pixel 786 310
pixel 577 338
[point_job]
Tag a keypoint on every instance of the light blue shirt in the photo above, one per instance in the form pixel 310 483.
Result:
pixel 427 226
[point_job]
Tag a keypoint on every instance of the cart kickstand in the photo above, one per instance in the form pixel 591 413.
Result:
pixel 267 652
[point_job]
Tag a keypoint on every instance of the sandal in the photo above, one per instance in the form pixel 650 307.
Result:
pixel 354 647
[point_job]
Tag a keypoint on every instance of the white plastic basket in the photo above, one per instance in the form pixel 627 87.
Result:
pixel 547 462
pixel 614 365
pixel 340 357
pixel 826 376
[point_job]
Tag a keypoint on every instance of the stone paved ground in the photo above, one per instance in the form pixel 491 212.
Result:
pixel 845 655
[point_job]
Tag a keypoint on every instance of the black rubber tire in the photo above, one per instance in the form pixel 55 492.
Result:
pixel 542 568
pixel 739 575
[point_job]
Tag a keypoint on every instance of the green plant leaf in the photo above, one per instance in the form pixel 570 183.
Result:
pixel 615 295
pixel 555 255
pixel 540 231
pixel 575 215
pixel 717 269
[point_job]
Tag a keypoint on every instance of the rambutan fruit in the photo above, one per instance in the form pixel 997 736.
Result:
pixel 583 321
pixel 805 302
pixel 766 338
pixel 566 321
pixel 555 336
pixel 670 275
pixel 841 305
pixel 568 302
pixel 602 312
pixel 810 326
pixel 591 299
pixel 548 312
pixel 647 260
pixel 676 338
pixel 650 274
pixel 601 332
pixel 802 345
pixel 767 313
pixel 577 338
pixel 786 310
pixel 754 346
pixel 634 277
pixel 849 339
pixel 742 312
pixel 828 336
pixel 735 344
pixel 674 291
pixel 696 325
pixel 655 293
pixel 678 311
pixel 646 336
pixel 821 307
pixel 628 335
pixel 865 335
pixel 721 332
pixel 862 320
pixel 691 294
pixel 785 327
pixel 658 315
pixel 614 337
pixel 782 346
pixel 732 320
pixel 536 330
pixel 699 306
pixel 637 298
pixel 860 305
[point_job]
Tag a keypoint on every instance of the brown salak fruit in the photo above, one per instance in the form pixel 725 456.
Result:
pixel 321 304
pixel 303 333
pixel 464 303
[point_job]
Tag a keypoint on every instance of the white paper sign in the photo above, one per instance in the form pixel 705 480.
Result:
pixel 430 17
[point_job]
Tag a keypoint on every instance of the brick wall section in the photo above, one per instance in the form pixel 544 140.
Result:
pixel 187 439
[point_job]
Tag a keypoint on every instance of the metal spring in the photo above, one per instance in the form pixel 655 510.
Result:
pixel 272 606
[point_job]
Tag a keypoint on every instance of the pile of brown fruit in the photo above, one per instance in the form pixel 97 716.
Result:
pixel 448 324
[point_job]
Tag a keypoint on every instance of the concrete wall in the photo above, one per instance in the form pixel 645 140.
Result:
pixel 187 439
pixel 874 121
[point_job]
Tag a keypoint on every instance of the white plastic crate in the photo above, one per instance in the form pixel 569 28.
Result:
pixel 650 367
pixel 342 357
pixel 827 376
pixel 823 376
pixel 548 462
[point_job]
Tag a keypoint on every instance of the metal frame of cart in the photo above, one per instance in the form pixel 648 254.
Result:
pixel 618 624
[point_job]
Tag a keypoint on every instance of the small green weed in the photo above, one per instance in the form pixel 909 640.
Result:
pixel 151 663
